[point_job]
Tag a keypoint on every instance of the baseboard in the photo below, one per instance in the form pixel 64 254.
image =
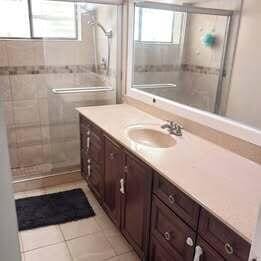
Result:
pixel 46 181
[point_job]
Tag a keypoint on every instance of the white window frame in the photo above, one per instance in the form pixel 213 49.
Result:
pixel 216 122
pixel 157 42
pixel 31 29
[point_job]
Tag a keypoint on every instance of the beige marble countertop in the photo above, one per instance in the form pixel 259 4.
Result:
pixel 226 184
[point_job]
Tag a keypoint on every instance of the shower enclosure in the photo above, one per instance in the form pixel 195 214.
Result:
pixel 68 59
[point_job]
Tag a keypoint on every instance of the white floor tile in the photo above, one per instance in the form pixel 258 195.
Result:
pixel 79 228
pixel 125 257
pixel 94 247
pixel 58 252
pixel 108 228
pixel 40 237
pixel 119 244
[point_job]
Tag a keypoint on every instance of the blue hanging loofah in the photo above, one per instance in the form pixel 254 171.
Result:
pixel 208 40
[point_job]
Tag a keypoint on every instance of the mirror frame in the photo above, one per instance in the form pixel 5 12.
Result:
pixel 214 121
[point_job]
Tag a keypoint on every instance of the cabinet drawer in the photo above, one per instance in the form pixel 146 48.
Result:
pixel 207 252
pixel 171 231
pixel 231 246
pixel 180 203
pixel 158 253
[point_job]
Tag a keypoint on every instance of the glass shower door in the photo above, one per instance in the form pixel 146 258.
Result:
pixel 81 71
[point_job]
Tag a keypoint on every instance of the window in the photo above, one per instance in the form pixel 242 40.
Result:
pixel 158 26
pixel 38 19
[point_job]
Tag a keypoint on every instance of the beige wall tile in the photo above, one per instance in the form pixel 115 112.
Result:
pixel 21 53
pixel 40 237
pixel 30 155
pixel 3 54
pixel 8 112
pixel 23 87
pixel 5 90
pixel 29 135
pixel 91 248
pixel 58 252
pixel 44 110
pixel 26 112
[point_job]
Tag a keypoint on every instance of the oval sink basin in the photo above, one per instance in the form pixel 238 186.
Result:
pixel 150 137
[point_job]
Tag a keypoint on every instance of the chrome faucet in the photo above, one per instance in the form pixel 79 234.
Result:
pixel 173 128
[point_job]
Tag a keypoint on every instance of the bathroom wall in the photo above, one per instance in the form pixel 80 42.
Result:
pixel 245 93
pixel 43 133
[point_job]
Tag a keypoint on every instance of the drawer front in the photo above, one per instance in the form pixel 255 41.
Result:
pixel 180 203
pixel 231 246
pixel 158 253
pixel 207 252
pixel 171 231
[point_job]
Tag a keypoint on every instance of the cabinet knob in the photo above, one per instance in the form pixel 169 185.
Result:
pixel 190 241
pixel 167 236
pixel 229 249
pixel 89 168
pixel 171 199
pixel 111 156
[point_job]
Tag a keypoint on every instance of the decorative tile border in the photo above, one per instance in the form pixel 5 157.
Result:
pixel 199 69
pixel 43 69
pixel 176 68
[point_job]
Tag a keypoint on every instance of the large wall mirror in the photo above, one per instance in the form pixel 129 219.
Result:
pixel 184 52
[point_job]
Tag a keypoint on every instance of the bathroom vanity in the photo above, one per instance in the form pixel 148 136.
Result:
pixel 165 201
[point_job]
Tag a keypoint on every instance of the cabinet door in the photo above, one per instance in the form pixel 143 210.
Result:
pixel 204 252
pixel 114 167
pixel 85 131
pixel 158 253
pixel 171 232
pixel 136 204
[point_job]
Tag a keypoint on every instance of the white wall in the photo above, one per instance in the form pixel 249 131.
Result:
pixel 244 103
pixel 9 244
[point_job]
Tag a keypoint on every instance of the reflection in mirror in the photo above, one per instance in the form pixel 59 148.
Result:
pixel 184 52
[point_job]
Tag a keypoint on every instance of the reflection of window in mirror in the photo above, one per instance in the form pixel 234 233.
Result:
pixel 157 26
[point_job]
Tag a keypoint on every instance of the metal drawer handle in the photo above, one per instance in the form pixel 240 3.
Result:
pixel 122 189
pixel 171 199
pixel 229 249
pixel 167 236
pixel 89 168
pixel 198 253
pixel 88 140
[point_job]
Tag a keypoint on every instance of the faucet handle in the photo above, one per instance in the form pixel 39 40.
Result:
pixel 178 126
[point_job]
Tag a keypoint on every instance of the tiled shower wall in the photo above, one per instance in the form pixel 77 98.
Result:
pixel 43 133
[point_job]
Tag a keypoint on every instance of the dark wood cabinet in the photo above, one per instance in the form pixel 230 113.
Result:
pixel 92 157
pixel 163 224
pixel 171 232
pixel 175 199
pixel 231 246
pixel 136 201
pixel 114 168
pixel 158 252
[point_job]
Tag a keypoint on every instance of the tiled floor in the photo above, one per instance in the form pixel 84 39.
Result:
pixel 91 239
